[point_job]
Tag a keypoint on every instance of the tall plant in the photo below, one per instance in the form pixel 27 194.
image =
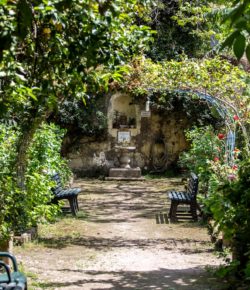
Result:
pixel 204 148
pixel 21 209
pixel 51 50
pixel 227 198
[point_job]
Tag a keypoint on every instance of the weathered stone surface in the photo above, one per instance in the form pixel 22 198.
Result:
pixel 125 172
pixel 158 139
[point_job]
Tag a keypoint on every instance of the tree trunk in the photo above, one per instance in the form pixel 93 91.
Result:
pixel 24 143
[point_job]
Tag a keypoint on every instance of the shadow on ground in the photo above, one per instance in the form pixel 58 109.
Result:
pixel 184 245
pixel 179 279
pixel 117 243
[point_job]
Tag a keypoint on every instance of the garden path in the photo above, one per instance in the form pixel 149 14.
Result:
pixel 118 243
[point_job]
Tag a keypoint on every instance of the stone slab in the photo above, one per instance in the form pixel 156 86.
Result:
pixel 125 172
pixel 125 178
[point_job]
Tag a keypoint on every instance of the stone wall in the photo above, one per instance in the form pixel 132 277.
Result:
pixel 158 138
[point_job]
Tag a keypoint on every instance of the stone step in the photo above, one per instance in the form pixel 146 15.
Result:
pixel 125 178
pixel 125 172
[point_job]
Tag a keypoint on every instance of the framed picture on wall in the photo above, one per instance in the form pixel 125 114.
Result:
pixel 123 136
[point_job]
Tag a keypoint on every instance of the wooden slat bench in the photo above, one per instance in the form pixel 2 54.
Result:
pixel 185 197
pixel 71 194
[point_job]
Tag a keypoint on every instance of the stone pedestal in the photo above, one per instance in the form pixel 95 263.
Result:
pixel 124 155
pixel 125 174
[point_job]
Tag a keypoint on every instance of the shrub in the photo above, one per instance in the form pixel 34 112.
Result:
pixel 204 147
pixel 227 198
pixel 21 209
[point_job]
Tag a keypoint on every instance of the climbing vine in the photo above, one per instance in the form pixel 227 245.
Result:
pixel 227 84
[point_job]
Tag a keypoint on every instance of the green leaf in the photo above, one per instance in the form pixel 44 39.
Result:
pixel 230 39
pixel 214 112
pixel 21 77
pixel 241 23
pixel 248 52
pixel 24 18
pixel 30 93
pixel 239 46
pixel 234 14
pixel 237 13
pixel 2 74
pixel 84 101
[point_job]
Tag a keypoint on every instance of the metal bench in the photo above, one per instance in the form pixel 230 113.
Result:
pixel 185 197
pixel 71 194
pixel 11 278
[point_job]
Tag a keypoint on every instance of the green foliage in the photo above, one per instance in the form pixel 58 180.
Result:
pixel 226 84
pixel 173 38
pixel 194 108
pixel 227 194
pixel 212 76
pixel 45 153
pixel 63 50
pixel 209 25
pixel 238 19
pixel 61 44
pixel 202 24
pixel 25 208
pixel 51 51
pixel 87 120
pixel 229 204
pixel 204 148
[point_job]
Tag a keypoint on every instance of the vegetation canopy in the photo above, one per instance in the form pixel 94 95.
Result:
pixel 50 52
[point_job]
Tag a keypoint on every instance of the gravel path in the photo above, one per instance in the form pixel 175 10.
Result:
pixel 121 240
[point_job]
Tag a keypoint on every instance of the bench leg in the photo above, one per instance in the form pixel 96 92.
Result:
pixel 193 209
pixel 76 203
pixel 72 206
pixel 173 211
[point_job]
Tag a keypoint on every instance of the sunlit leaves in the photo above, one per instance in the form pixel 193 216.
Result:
pixel 3 2
pixel 60 42
pixel 239 20
pixel 43 156
pixel 214 76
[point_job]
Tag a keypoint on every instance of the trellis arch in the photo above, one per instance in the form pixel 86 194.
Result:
pixel 224 112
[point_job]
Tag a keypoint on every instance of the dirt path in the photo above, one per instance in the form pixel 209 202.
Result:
pixel 117 242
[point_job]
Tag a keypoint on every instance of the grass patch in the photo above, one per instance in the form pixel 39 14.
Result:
pixel 170 173
pixel 33 282
pixel 67 226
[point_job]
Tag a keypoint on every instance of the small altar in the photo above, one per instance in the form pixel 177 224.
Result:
pixel 124 151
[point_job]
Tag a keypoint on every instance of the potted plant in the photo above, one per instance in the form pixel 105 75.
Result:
pixel 131 122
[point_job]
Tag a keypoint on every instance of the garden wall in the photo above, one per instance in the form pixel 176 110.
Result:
pixel 158 138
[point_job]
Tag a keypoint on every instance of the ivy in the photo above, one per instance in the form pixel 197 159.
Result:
pixel 227 84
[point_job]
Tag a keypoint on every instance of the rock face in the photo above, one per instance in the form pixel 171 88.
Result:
pixel 158 138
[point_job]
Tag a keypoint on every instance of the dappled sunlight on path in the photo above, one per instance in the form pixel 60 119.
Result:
pixel 116 243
